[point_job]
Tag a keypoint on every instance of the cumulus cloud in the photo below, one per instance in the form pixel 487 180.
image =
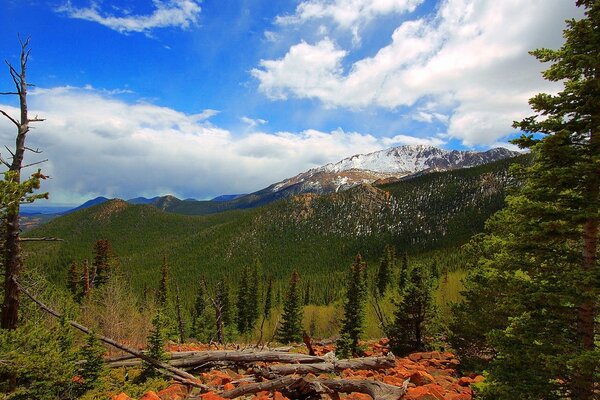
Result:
pixel 346 14
pixel 177 13
pixel 98 144
pixel 471 55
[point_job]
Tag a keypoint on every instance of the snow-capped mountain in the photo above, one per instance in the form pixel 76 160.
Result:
pixel 396 162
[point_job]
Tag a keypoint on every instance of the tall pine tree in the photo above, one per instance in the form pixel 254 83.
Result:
pixel 413 312
pixel 290 330
pixel 539 263
pixel 354 307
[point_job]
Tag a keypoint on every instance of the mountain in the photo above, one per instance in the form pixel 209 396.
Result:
pixel 380 166
pixel 142 200
pixel 227 197
pixel 318 235
pixel 88 204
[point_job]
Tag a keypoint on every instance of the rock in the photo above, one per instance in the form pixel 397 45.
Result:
pixel 173 392
pixel 121 396
pixel 465 381
pixel 150 396
pixel 211 396
pixel 279 396
pixel 228 386
pixel 420 393
pixel 421 378
pixel 478 379
pixel 358 396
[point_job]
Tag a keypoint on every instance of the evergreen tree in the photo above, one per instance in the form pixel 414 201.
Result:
pixel 268 300
pixel 386 264
pixel 540 261
pixel 199 324
pixel 290 330
pixel 307 294
pixel 179 314
pixel 156 342
pixel 404 272
pixel 354 307
pixel 102 262
pixel 94 367
pixel 162 296
pixel 253 291
pixel 74 280
pixel 242 302
pixel 413 313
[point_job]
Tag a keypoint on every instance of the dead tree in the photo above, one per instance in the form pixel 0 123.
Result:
pixel 12 256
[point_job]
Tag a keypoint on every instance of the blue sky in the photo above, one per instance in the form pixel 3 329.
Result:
pixel 203 98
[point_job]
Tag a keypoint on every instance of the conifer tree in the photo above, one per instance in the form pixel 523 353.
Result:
pixel 179 314
pixel 242 302
pixel 74 280
pixel 163 290
pixel 156 342
pixel 198 314
pixel 403 275
pixel 268 300
pixel 386 264
pixel 307 294
pixel 412 314
pixel 354 307
pixel 101 265
pixel 253 291
pixel 540 261
pixel 94 367
pixel 290 330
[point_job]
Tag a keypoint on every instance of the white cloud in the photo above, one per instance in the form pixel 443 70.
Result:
pixel 411 140
pixel 346 14
pixel 253 123
pixel 98 144
pixel 471 54
pixel 168 13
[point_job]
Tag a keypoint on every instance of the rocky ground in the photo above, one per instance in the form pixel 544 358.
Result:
pixel 430 375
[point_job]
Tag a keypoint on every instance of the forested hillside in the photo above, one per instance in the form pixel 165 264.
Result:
pixel 318 236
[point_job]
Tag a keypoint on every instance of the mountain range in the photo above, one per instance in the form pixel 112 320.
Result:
pixel 318 235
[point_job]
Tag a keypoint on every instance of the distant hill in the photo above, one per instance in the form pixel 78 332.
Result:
pixel 88 204
pixel 142 200
pixel 227 197
pixel 317 235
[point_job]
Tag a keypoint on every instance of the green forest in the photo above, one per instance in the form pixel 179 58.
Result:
pixel 495 264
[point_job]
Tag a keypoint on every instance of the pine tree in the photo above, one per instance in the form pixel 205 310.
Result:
pixel 354 307
pixel 386 264
pixel 307 294
pixel 94 367
pixel 268 300
pixel 179 314
pixel 198 314
pixel 74 280
pixel 404 272
pixel 253 290
pixel 413 313
pixel 242 302
pixel 156 342
pixel 290 330
pixel 102 262
pixel 163 289
pixel 540 262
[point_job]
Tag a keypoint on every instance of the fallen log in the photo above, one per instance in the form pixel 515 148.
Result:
pixel 298 387
pixel 171 371
pixel 237 357
pixel 370 363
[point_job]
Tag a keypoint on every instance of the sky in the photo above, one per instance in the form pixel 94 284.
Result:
pixel 202 98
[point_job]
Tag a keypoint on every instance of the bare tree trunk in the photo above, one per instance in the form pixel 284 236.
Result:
pixel 12 246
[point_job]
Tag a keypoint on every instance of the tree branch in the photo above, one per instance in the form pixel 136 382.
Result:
pixel 40 239
pixel 14 121
pixel 182 376
pixel 35 163
pixel 36 151
pixel 7 93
